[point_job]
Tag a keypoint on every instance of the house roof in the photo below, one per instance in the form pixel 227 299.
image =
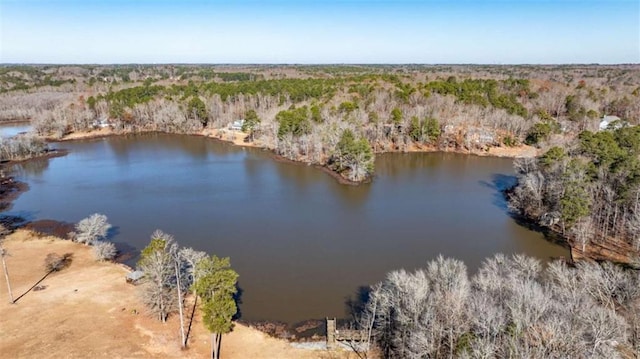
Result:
pixel 606 120
pixel 135 275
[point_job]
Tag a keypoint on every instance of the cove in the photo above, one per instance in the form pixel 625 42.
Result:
pixel 301 242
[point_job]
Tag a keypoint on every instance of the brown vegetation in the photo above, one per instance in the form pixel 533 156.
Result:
pixel 511 308
pixel 394 108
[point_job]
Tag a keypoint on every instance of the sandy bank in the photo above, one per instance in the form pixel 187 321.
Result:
pixel 521 151
pixel 238 138
pixel 234 137
pixel 102 132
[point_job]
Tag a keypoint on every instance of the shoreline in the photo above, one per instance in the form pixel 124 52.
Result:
pixel 237 138
pixel 612 250
pixel 303 330
pixel 276 157
pixel 15 122
pixel 10 190
pixel 51 153
pixel 88 309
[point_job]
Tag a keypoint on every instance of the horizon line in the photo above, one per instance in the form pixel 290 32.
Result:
pixel 315 64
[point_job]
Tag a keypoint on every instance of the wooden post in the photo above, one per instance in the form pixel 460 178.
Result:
pixel 331 333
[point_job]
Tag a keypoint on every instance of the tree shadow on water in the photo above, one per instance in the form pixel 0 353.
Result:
pixel 238 299
pixel 356 304
pixel 12 221
pixel 127 254
pixel 500 184
pixel 548 234
pixel 112 233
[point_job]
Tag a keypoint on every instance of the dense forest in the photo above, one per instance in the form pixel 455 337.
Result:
pixel 589 191
pixel 333 116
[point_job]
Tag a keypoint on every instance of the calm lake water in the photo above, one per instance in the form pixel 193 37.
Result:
pixel 301 242
pixel 10 130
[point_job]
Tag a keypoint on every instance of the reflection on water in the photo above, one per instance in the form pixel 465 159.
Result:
pixel 31 168
pixel 300 241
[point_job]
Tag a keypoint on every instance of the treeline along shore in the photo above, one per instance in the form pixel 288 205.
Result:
pixel 581 119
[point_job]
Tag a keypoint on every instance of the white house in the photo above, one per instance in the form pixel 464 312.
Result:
pixel 101 123
pixel 606 120
pixel 236 125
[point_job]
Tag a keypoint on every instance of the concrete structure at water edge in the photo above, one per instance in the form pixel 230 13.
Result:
pixel 335 336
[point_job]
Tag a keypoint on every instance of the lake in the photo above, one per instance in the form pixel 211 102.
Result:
pixel 12 129
pixel 301 242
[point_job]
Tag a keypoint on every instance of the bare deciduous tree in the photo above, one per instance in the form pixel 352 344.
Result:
pixel 104 251
pixel 21 147
pixel 510 309
pixel 191 258
pixel 54 262
pixel 158 289
pixel 92 228
pixel 583 232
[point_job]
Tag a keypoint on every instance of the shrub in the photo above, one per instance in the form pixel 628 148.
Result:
pixel 54 262
pixel 104 251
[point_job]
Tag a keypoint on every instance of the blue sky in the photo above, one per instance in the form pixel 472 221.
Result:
pixel 306 31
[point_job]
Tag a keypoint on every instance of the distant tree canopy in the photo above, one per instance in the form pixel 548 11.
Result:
pixel 541 132
pixel 235 76
pixel 316 115
pixel 396 115
pixel 501 94
pixel 426 130
pixel 198 110
pixel 354 156
pixel 131 96
pixel 348 107
pixel 294 121
pixel 296 89
pixel 21 147
pixel 302 111
pixel 251 120
pixel 91 102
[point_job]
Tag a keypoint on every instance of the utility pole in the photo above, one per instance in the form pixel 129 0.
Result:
pixel 3 253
